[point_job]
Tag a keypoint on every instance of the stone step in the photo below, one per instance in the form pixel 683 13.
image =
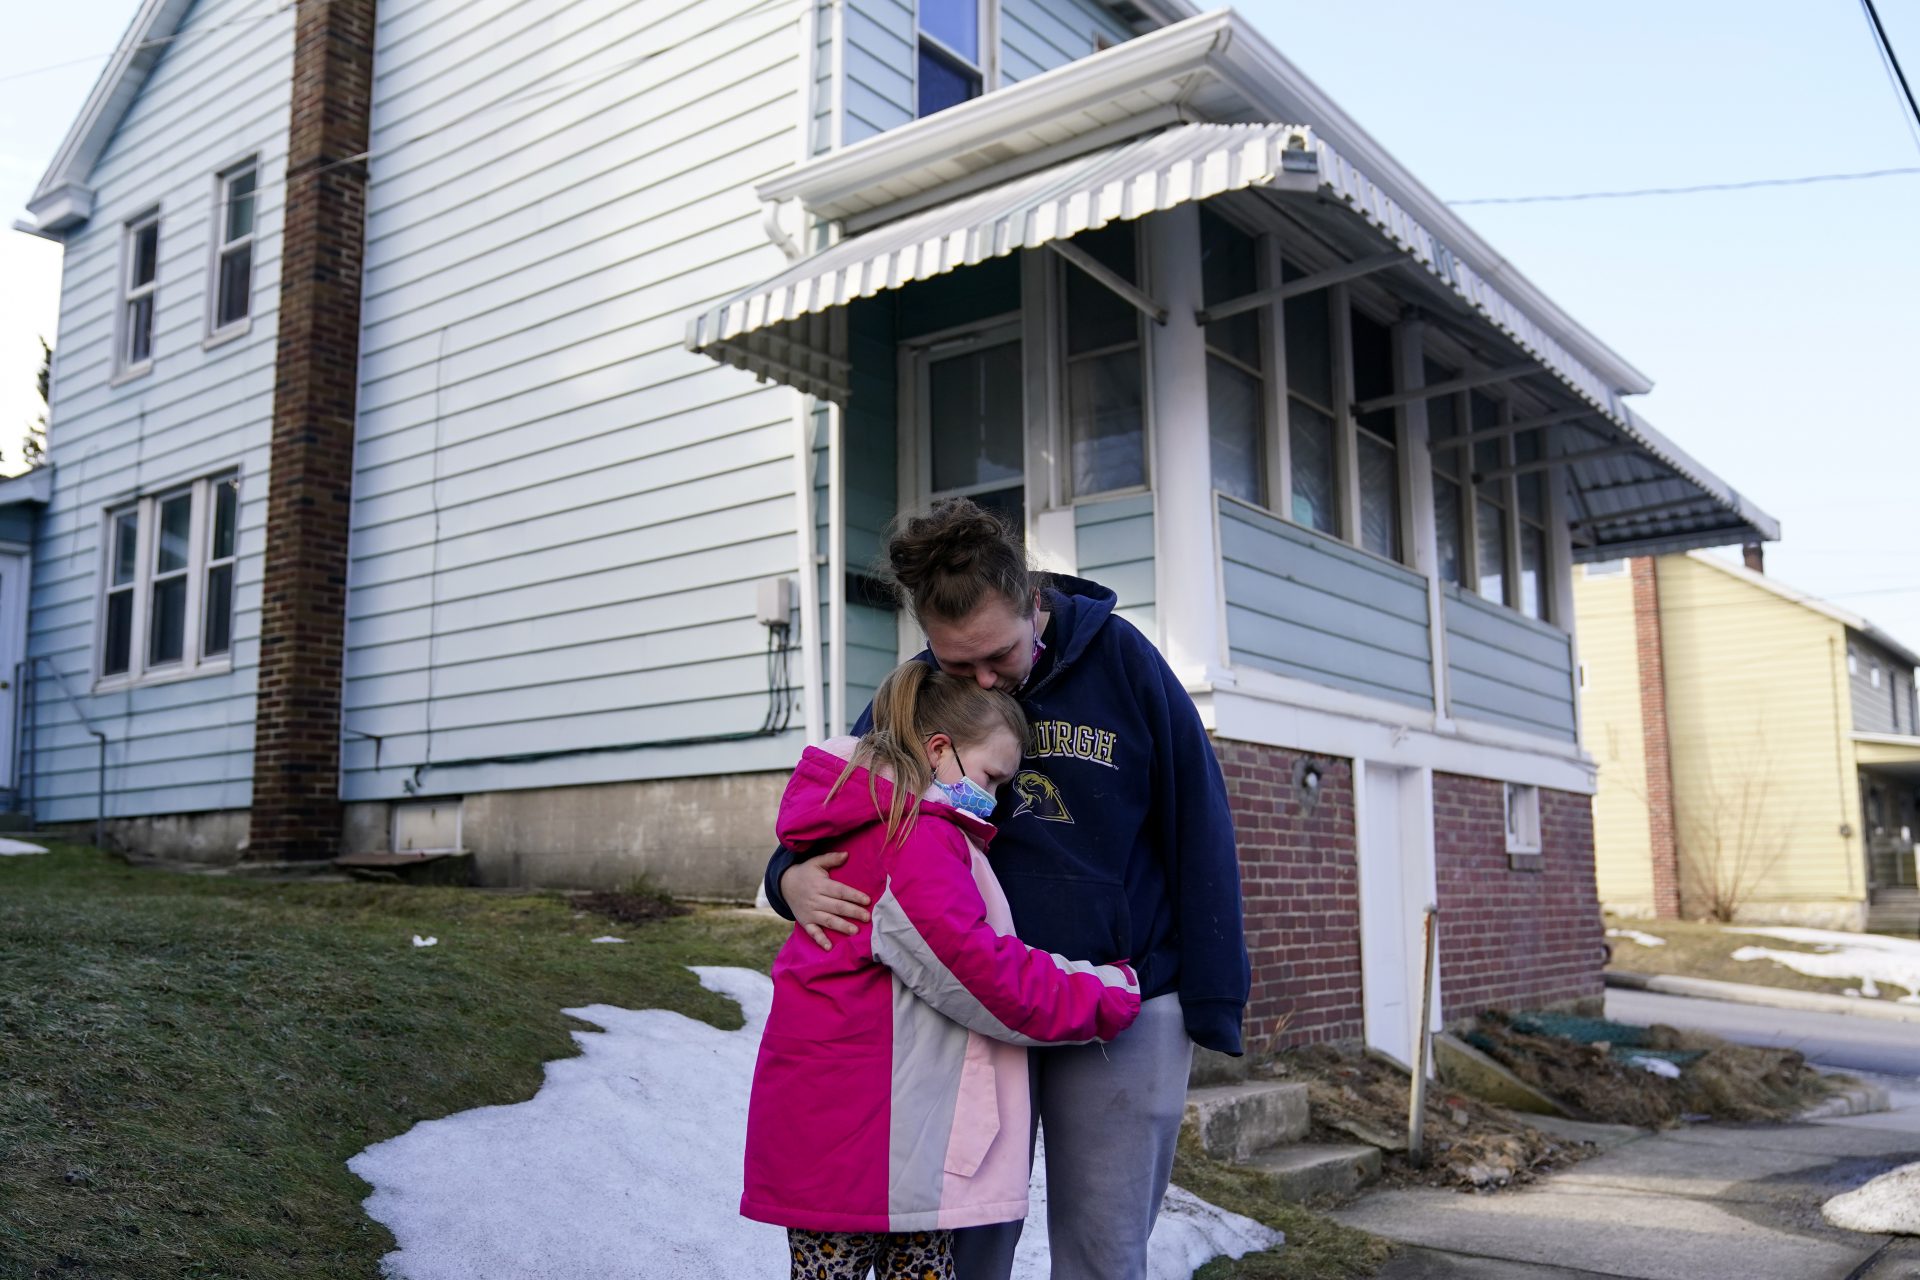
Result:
pixel 1234 1121
pixel 1310 1170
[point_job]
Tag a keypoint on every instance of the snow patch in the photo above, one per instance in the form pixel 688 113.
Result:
pixel 627 1163
pixel 1634 935
pixel 419 941
pixel 16 848
pixel 1657 1066
pixel 1873 959
pixel 608 938
pixel 1888 1205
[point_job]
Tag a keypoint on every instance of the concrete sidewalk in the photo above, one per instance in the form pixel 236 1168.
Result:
pixel 1692 1204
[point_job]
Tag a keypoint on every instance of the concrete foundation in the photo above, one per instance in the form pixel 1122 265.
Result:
pixel 691 837
pixel 214 838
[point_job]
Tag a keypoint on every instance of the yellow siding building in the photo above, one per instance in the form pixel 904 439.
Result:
pixel 1757 748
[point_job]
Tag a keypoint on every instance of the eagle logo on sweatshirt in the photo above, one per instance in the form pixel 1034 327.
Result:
pixel 1039 797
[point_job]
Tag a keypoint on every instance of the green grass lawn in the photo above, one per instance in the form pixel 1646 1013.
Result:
pixel 187 1062
pixel 1696 949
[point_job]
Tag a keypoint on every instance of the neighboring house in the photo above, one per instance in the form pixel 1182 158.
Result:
pixel 1759 749
pixel 517 488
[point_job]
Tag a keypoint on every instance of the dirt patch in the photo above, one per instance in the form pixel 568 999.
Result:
pixel 1469 1145
pixel 630 907
pixel 1600 1079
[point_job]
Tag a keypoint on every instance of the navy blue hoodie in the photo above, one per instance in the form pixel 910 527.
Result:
pixel 1115 839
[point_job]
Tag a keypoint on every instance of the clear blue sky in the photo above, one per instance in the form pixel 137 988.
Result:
pixel 1777 323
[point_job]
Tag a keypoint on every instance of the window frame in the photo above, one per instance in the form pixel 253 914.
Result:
pixel 1066 358
pixel 1524 839
pixel 194 661
pixel 130 294
pixel 1270 472
pixel 986 67
pixel 219 248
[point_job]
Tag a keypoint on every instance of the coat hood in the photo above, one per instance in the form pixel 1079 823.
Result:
pixel 812 813
pixel 1079 609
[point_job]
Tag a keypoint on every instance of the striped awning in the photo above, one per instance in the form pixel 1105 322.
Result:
pixel 784 329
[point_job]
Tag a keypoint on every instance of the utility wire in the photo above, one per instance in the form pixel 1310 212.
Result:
pixel 1891 61
pixel 155 43
pixel 1805 180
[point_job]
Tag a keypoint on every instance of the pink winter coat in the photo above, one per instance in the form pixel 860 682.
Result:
pixel 890 1092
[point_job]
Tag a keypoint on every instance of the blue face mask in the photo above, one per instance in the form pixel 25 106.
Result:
pixel 967 795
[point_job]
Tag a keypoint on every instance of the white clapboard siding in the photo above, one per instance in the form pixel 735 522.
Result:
pixel 561 516
pixel 1039 35
pixel 217 95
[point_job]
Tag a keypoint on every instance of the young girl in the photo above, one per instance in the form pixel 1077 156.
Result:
pixel 890 1097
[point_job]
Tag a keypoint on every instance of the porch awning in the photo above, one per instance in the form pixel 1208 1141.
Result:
pixel 782 330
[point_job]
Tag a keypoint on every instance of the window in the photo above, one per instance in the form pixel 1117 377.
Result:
pixel 1530 508
pixel 1236 372
pixel 1106 414
pixel 1449 507
pixel 140 275
pixel 1489 505
pixel 1853 663
pixel 1873 675
pixel 951 70
pixel 1523 818
pixel 1606 568
pixel 1376 444
pixel 233 254
pixel 169 582
pixel 1308 338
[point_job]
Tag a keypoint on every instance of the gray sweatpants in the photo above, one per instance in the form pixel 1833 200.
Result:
pixel 1111 1114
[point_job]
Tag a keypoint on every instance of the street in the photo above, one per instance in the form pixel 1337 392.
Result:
pixel 1698 1203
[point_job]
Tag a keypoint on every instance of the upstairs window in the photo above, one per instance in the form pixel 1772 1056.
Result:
pixel 139 281
pixel 1376 443
pixel 951 70
pixel 1489 504
pixel 1106 411
pixel 168 582
pixel 1312 447
pixel 1530 506
pixel 1449 503
pixel 233 254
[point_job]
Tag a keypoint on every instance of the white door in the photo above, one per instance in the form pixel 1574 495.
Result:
pixel 1396 884
pixel 13 650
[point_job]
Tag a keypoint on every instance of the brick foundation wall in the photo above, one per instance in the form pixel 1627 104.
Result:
pixel 1299 872
pixel 1518 939
pixel 296 763
pixel 1651 660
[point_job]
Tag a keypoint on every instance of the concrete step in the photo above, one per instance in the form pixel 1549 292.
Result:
pixel 1311 1170
pixel 1234 1121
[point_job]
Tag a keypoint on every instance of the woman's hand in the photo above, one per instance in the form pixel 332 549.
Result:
pixel 819 902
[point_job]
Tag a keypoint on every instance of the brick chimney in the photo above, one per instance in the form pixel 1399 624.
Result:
pixel 1755 555
pixel 1662 840
pixel 296 752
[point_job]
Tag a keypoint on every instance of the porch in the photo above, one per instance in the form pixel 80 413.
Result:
pixel 1889 767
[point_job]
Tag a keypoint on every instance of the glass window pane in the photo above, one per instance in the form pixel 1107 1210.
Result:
pixel 240 205
pixel 1533 571
pixel 1443 423
pixel 954 23
pixel 1229 269
pixel 118 655
pixel 1309 346
pixel 168 626
pixel 943 83
pixel 1096 319
pixel 126 540
pixel 1491 543
pixel 1372 358
pixel 1446 528
pixel 1484 410
pixel 1234 420
pixel 1105 422
pixel 226 513
pixel 170 548
pixel 236 284
pixel 1315 501
pixel 217 631
pixel 140 329
pixel 1532 487
pixel 975 417
pixel 1379 497
pixel 146 254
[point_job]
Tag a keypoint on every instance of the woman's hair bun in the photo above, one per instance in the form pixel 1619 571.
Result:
pixel 945 561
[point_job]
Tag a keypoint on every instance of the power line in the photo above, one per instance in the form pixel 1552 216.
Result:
pixel 1805 180
pixel 156 43
pixel 1891 62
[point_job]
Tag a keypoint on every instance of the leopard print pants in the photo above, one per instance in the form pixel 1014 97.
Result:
pixel 842 1255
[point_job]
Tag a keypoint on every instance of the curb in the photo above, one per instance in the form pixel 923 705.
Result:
pixel 1860 1098
pixel 1774 997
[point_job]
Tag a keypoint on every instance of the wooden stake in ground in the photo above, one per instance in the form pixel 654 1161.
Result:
pixel 1417 1087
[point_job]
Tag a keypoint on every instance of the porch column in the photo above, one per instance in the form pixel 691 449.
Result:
pixel 1187 553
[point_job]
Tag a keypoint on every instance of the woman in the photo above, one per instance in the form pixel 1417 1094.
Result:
pixel 1115 844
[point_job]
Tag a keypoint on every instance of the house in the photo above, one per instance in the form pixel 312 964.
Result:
pixel 490 447
pixel 1758 749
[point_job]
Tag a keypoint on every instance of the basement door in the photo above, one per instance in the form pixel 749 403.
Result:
pixel 1396 884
